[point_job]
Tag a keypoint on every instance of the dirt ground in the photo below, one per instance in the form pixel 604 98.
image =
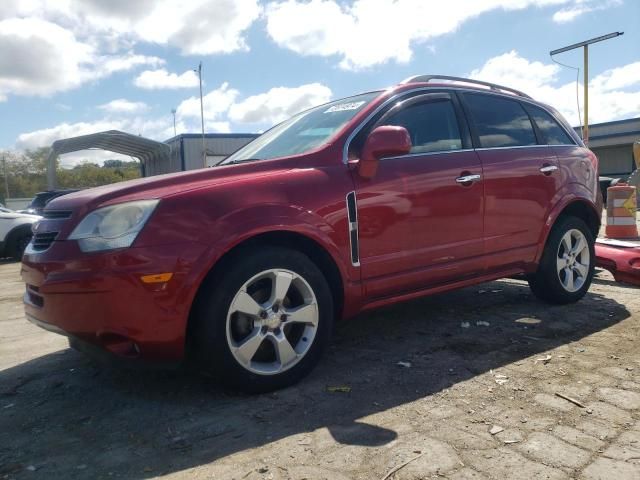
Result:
pixel 475 397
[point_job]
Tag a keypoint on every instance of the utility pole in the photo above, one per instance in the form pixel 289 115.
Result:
pixel 6 179
pixel 173 111
pixel 204 150
pixel 585 45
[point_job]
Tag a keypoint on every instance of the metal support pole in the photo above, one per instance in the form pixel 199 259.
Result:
pixel 204 150
pixel 6 179
pixel 585 127
pixel 51 170
pixel 585 44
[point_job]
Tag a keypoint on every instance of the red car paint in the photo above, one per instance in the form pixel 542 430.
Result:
pixel 419 232
pixel 621 259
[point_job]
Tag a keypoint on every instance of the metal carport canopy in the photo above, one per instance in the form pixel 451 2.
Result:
pixel 116 141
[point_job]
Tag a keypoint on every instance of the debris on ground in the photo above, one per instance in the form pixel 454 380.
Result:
pixel 482 323
pixel 501 379
pixel 339 389
pixel 404 364
pixel 495 430
pixel 546 359
pixel 465 324
pixel 569 399
pixel 402 465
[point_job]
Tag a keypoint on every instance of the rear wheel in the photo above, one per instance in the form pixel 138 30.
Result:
pixel 264 324
pixel 567 265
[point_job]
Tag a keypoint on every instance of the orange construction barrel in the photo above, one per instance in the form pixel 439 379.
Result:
pixel 621 211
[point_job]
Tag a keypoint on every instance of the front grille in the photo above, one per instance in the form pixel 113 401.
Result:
pixel 57 214
pixel 42 241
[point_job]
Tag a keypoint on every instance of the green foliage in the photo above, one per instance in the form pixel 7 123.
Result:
pixel 26 174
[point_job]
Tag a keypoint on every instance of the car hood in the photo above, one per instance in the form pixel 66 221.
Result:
pixel 162 186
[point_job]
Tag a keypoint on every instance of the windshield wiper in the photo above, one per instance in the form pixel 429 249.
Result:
pixel 235 162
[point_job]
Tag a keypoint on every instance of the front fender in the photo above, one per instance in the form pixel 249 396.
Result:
pixel 239 226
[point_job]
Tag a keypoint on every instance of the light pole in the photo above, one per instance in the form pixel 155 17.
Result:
pixel 204 150
pixel 173 111
pixel 585 45
pixel 6 179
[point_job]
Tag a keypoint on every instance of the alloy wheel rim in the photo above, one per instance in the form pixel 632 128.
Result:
pixel 272 321
pixel 573 260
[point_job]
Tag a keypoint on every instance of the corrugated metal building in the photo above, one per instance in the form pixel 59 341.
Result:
pixel 612 142
pixel 186 151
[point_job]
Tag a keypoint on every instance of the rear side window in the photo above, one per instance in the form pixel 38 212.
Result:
pixel 552 132
pixel 500 122
pixel 432 126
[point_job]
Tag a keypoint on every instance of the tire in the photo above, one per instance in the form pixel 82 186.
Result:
pixel 237 332
pixel 565 274
pixel 18 243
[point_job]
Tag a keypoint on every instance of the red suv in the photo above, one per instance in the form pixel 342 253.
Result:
pixel 361 202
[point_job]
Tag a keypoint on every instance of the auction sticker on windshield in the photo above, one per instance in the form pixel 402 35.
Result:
pixel 344 106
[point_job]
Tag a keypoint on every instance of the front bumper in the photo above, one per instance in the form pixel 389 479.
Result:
pixel 99 299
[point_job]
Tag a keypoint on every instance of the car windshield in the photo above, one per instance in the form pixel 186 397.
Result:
pixel 303 132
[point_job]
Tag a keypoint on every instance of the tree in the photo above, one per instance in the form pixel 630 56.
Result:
pixel 26 173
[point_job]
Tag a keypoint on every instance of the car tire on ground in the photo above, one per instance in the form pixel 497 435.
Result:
pixel 262 322
pixel 18 244
pixel 567 264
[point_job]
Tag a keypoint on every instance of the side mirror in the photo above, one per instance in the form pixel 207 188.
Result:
pixel 383 141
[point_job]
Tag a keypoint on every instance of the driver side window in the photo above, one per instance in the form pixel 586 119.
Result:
pixel 432 126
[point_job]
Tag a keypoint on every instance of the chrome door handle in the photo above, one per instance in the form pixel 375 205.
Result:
pixel 548 169
pixel 468 178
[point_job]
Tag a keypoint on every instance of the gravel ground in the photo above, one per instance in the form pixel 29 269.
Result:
pixel 475 397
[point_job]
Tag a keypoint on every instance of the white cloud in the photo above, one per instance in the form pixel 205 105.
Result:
pixel 108 64
pixel 156 79
pixel 200 27
pixel 215 102
pixel 221 110
pixel 50 46
pixel 613 94
pixel 197 27
pixel 279 103
pixel 121 105
pixel 580 7
pixel 157 129
pixel 41 58
pixel 46 136
pixel 365 33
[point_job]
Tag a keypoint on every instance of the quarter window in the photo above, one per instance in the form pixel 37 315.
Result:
pixel 432 126
pixel 552 133
pixel 500 122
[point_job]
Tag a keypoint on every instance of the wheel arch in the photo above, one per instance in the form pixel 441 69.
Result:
pixel 576 207
pixel 14 234
pixel 281 238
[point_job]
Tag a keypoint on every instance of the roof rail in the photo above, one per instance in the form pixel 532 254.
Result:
pixel 492 86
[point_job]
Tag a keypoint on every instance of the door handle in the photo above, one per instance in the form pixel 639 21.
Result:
pixel 468 178
pixel 548 169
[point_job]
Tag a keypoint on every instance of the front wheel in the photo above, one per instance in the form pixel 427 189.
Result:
pixel 263 323
pixel 19 245
pixel 567 265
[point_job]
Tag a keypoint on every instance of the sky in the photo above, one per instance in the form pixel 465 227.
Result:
pixel 72 67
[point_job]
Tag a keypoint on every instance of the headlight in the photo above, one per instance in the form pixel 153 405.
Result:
pixel 116 226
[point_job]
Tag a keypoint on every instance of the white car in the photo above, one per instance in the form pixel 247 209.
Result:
pixel 15 232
